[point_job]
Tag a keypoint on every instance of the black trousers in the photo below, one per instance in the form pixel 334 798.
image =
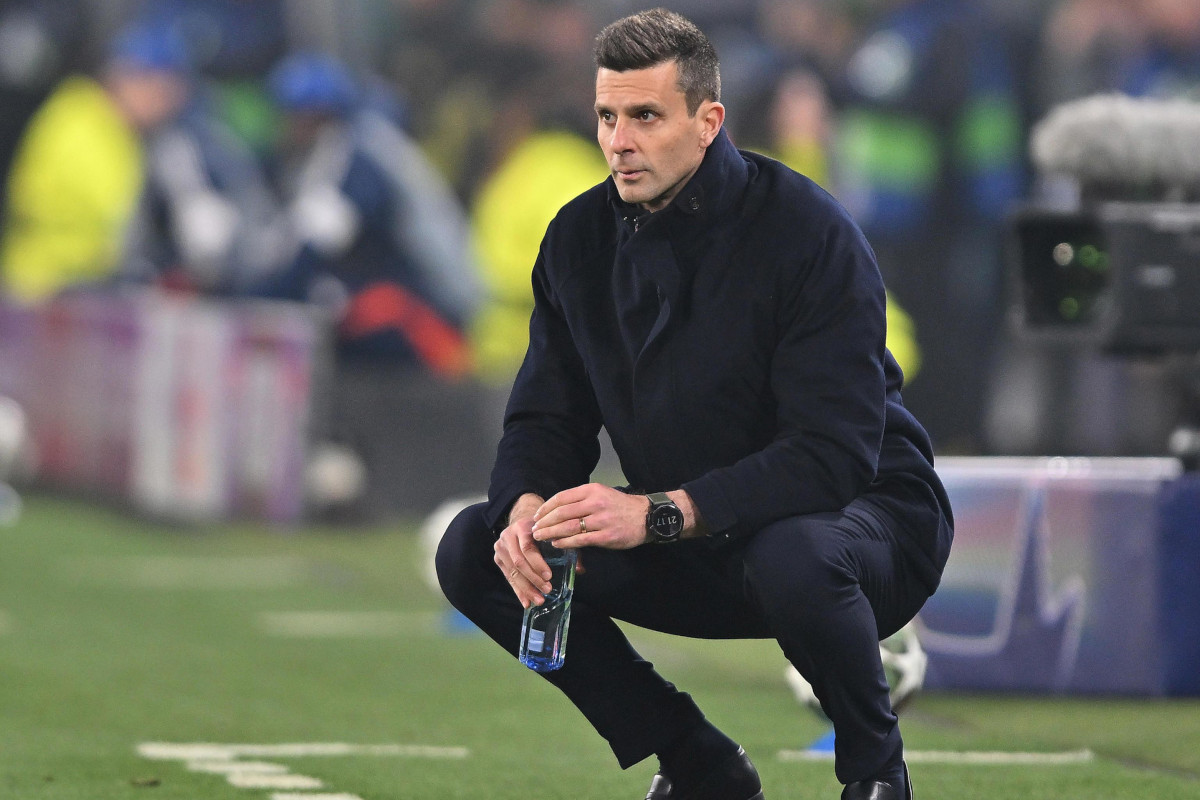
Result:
pixel 826 586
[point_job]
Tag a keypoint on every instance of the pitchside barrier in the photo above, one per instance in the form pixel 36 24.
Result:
pixel 1068 575
pixel 191 410
pixel 196 410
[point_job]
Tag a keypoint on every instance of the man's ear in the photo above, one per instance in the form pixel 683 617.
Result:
pixel 712 116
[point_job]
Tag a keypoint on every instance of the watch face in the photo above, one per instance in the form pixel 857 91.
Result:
pixel 666 521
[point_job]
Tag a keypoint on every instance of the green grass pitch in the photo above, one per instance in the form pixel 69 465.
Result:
pixel 116 632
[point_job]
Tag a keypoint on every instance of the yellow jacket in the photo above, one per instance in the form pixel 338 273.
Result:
pixel 509 219
pixel 73 188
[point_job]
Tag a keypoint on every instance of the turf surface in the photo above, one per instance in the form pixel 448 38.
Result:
pixel 115 632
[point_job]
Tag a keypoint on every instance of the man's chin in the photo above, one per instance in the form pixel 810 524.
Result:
pixel 633 195
pixel 630 194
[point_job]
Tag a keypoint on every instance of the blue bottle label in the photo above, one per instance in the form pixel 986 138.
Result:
pixel 537 640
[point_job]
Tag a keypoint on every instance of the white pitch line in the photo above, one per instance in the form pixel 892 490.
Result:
pixel 222 759
pixel 973 758
pixel 210 751
pixel 254 780
pixel 1001 758
pixel 165 751
pixel 225 767
pixel 301 750
pixel 347 624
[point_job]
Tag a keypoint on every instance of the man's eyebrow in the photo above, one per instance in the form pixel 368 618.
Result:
pixel 654 108
pixel 632 111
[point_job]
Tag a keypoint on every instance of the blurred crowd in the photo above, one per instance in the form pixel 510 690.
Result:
pixel 395 162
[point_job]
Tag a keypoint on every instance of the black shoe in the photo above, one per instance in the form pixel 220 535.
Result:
pixel 735 778
pixel 876 790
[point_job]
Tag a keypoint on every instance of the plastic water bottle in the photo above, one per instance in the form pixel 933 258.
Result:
pixel 544 629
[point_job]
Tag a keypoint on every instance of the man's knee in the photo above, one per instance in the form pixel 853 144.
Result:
pixel 464 551
pixel 799 563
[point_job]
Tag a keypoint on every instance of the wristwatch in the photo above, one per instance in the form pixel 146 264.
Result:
pixel 664 520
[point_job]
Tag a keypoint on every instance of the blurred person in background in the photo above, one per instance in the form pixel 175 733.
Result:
pixel 820 33
pixel 795 125
pixel 40 41
pixel 380 240
pixel 207 220
pixel 496 84
pixel 73 187
pixel 550 164
pixel 233 44
pixel 1086 48
pixel 456 57
pixel 795 121
pixel 442 62
pixel 1169 64
pixel 381 245
pixel 929 160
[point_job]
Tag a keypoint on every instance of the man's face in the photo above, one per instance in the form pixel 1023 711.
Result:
pixel 1176 20
pixel 652 145
pixel 147 97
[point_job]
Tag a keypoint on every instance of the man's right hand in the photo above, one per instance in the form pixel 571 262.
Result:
pixel 517 554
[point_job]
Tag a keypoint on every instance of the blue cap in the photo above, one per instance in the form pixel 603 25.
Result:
pixel 151 46
pixel 313 82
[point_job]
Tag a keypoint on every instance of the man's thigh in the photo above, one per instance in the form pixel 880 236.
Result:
pixel 806 561
pixel 692 588
pixel 688 588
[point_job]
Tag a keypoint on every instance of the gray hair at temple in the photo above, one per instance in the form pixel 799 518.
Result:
pixel 658 36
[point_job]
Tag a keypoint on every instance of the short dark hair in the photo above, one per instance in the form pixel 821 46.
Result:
pixel 654 37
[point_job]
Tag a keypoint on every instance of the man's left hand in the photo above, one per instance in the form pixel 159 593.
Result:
pixel 594 515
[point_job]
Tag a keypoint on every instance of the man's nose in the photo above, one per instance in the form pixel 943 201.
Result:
pixel 620 139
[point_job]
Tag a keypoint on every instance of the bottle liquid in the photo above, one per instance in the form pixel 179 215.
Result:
pixel 544 629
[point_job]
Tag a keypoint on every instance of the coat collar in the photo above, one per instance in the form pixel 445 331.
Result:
pixel 713 190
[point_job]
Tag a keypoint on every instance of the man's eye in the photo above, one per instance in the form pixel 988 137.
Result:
pixel 646 116
pixel 605 116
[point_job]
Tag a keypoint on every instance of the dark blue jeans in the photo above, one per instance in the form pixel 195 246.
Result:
pixel 826 586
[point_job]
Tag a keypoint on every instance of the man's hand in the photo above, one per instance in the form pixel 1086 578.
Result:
pixel 517 554
pixel 586 516
pixel 592 516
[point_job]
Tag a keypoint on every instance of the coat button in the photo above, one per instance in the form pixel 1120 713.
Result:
pixel 694 202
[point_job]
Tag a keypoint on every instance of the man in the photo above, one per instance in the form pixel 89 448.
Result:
pixel 381 239
pixel 723 319
pixel 207 220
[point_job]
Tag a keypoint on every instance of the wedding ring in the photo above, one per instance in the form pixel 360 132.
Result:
pixel 582 525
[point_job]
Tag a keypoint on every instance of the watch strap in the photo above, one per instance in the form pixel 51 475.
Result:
pixel 658 499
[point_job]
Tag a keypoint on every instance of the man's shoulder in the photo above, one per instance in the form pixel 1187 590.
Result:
pixel 586 206
pixel 789 192
pixel 784 205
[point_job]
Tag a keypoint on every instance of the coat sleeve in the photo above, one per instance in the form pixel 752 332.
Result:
pixel 551 425
pixel 827 378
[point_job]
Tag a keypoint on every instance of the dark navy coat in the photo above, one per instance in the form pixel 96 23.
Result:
pixel 731 344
